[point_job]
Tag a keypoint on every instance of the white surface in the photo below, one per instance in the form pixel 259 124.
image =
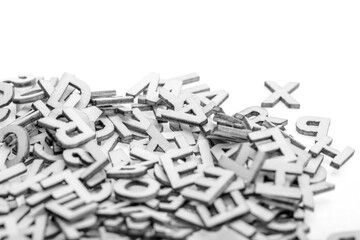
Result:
pixel 233 45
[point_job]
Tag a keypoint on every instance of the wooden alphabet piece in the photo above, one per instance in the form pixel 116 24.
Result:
pixel 65 82
pixel 281 170
pixel 277 143
pixel 179 174
pixel 354 235
pixel 256 118
pixel 313 126
pixel 248 174
pixel 339 158
pixel 143 84
pixel 189 114
pixel 223 213
pixel 23 144
pixel 215 181
pixel 123 189
pixel 7 96
pixel 281 94
pixel 278 191
pixel 64 129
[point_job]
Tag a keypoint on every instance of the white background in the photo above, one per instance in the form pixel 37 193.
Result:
pixel 232 45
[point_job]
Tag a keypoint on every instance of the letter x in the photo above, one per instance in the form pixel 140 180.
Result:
pixel 282 94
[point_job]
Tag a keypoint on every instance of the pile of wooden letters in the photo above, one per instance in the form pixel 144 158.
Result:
pixel 163 161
